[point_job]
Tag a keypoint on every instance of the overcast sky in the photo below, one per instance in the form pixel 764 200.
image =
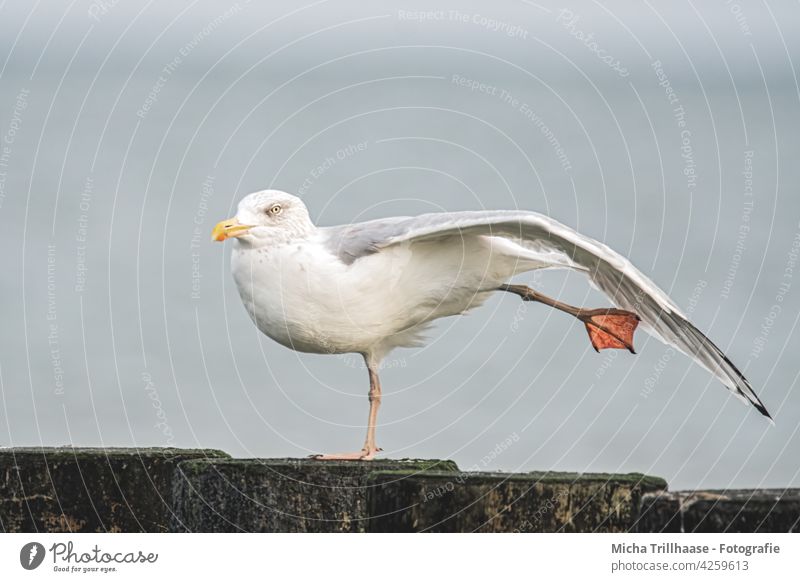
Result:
pixel 666 130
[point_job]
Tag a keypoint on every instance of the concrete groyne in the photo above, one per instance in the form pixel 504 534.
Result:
pixel 192 490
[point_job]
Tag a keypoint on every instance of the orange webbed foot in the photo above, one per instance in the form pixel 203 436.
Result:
pixel 610 328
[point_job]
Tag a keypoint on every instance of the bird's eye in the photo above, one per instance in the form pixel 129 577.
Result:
pixel 276 209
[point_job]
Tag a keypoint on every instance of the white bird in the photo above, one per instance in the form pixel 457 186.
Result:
pixel 373 286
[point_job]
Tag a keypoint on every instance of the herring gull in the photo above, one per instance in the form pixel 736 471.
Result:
pixel 373 286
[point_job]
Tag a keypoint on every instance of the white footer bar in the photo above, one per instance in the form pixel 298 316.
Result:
pixel 388 557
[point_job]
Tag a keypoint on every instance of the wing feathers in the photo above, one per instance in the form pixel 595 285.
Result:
pixel 609 271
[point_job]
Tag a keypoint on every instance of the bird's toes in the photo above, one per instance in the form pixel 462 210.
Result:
pixel 369 454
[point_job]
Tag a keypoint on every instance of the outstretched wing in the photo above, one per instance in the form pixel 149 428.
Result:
pixel 609 271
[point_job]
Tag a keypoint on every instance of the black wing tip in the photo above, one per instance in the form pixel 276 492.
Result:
pixel 763 410
pixel 753 399
pixel 750 395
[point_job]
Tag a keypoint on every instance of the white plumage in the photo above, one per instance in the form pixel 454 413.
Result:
pixel 373 286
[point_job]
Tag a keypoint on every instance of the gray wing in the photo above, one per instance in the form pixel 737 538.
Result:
pixel 609 271
pixel 353 241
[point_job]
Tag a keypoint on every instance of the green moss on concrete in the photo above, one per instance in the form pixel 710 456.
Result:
pixel 67 453
pixel 401 465
pixel 645 482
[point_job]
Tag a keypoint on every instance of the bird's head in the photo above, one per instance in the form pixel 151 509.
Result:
pixel 266 217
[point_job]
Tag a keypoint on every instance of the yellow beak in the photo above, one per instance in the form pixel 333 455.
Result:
pixel 230 228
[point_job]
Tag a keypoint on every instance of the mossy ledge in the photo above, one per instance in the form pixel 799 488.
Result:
pixel 435 501
pixel 68 489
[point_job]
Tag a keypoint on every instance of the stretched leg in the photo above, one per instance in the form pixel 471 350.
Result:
pixel 368 452
pixel 607 327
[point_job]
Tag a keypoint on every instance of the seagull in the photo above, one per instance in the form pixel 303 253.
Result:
pixel 370 287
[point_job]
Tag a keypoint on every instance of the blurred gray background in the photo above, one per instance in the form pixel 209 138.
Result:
pixel 129 129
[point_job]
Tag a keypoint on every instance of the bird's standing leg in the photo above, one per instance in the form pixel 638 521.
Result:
pixel 374 404
pixel 370 449
pixel 607 327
